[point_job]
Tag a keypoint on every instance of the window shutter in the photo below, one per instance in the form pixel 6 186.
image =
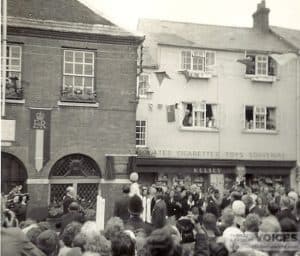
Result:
pixel 278 119
pixel 210 61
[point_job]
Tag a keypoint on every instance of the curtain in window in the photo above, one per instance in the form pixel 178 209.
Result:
pixel 214 109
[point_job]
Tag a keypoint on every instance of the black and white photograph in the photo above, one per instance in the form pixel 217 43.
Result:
pixel 150 128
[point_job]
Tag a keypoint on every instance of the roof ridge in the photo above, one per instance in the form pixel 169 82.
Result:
pixel 291 29
pixel 193 23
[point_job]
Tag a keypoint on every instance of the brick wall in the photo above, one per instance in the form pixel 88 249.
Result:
pixel 107 129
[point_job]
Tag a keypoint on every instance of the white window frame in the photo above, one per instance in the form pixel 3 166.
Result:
pixel 9 58
pixel 190 60
pixel 261 63
pixel 143 134
pixel 260 111
pixel 73 74
pixel 200 122
pixel 143 80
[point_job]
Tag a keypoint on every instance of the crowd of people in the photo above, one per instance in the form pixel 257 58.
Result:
pixel 181 220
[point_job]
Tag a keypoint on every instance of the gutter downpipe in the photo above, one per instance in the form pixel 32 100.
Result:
pixel 4 44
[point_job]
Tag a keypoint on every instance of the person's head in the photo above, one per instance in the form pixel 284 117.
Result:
pixel 288 225
pixel 209 221
pixel 71 191
pixel 126 189
pixel 152 191
pixel 160 242
pixel 73 207
pixel 17 199
pixel 273 207
pixel 113 226
pixel 79 241
pixel 227 217
pixel 90 229
pixel 293 196
pixel 172 193
pixel 134 177
pixel 144 191
pixel 252 223
pixel 98 244
pixel 135 205
pixel 216 193
pixel 33 234
pixel 70 232
pixel 159 194
pixel 248 201
pixel 122 245
pixel 183 193
pixel 48 242
pixel 238 208
pixel 190 197
pixel 44 225
pixel 285 202
pixel 269 225
pixel 259 201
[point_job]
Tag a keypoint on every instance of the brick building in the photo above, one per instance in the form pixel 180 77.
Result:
pixel 70 103
pixel 215 101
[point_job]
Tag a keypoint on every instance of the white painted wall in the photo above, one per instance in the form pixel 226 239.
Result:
pixel 231 90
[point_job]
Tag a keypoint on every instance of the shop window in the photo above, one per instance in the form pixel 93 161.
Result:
pixel 78 76
pixel 140 135
pixel 260 65
pixel 260 118
pixel 200 115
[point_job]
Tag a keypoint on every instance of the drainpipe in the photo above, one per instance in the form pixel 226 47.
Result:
pixel 4 40
pixel 298 120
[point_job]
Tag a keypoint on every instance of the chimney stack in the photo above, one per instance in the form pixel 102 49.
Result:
pixel 261 17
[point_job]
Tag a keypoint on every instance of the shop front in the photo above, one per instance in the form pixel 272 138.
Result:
pixel 221 174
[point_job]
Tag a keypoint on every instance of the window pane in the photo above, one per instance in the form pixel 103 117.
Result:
pixel 68 80
pixel 186 59
pixel 88 70
pixel 69 68
pixel 88 57
pixel 78 81
pixel 88 82
pixel 15 51
pixel 69 56
pixel 78 69
pixel 15 62
pixel 78 56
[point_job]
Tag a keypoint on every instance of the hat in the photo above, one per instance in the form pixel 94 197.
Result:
pixel 135 205
pixel 48 241
pixel 134 177
pixel 74 206
pixel 238 208
pixel 293 195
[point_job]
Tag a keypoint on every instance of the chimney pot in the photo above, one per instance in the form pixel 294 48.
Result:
pixel 261 17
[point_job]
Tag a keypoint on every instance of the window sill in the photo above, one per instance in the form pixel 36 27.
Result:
pixel 15 101
pixel 141 146
pixel 191 74
pixel 263 79
pixel 199 129
pixel 269 132
pixel 78 104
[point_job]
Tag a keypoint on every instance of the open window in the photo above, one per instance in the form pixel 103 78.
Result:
pixel 261 65
pixel 260 118
pixel 200 115
pixel 198 63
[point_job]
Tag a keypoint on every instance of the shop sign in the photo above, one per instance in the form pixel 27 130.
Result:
pixel 216 155
pixel 207 170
